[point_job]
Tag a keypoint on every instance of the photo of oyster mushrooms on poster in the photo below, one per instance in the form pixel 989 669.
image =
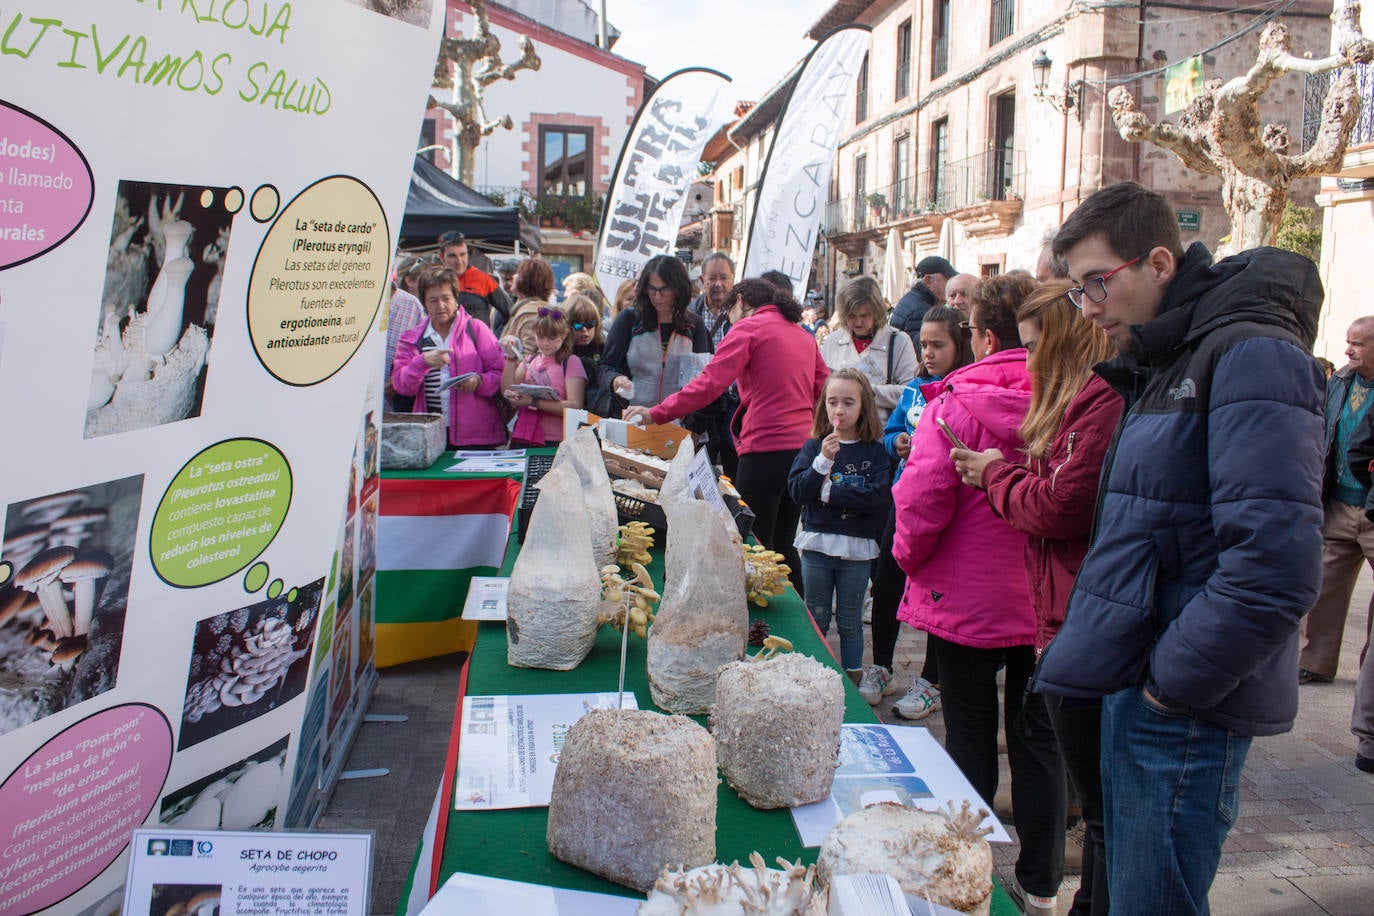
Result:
pixel 159 304
pixel 247 662
pixel 62 610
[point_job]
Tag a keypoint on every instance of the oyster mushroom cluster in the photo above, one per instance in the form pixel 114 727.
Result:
pixel 256 663
pixel 56 580
pixel 941 856
pixel 722 889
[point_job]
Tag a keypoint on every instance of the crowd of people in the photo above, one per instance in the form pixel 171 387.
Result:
pixel 1116 484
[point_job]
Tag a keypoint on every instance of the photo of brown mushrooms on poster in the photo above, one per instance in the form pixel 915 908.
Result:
pixel 62 611
pixel 247 662
pixel 159 304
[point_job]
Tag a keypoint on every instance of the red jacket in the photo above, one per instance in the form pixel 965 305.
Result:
pixel 1053 500
pixel 781 376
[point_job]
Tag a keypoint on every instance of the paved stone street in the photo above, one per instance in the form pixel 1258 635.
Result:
pixel 1304 842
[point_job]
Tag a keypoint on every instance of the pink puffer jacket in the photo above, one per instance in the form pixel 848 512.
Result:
pixel 966 573
pixel 475 418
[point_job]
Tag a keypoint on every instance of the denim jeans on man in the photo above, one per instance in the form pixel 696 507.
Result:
pixel 1172 786
pixel 843 581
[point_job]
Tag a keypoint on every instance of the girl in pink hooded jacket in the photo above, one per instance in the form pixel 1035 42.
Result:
pixel 967 587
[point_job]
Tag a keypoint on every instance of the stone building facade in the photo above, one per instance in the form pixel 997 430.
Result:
pixel 951 143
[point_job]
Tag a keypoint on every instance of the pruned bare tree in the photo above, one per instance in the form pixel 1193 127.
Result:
pixel 476 64
pixel 1221 132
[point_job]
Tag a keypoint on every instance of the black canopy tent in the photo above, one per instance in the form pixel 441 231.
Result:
pixel 438 202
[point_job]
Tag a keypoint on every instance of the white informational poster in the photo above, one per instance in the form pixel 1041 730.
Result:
pixel 486 598
pixel 887 763
pixel 198 208
pixel 510 746
pixel 464 894
pixel 240 873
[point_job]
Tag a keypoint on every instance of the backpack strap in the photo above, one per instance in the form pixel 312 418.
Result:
pixel 891 352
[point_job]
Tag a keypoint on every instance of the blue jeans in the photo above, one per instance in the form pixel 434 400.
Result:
pixel 827 577
pixel 1170 786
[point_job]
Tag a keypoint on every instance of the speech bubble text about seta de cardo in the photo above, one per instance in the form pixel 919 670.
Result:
pixel 220 512
pixel 69 808
pixel 318 280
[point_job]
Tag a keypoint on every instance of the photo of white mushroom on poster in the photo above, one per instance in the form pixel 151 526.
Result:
pixel 196 227
pixel 159 305
pixel 62 613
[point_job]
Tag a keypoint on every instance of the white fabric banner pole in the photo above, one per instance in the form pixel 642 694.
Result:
pixel 796 175
pixel 655 171
pixel 198 208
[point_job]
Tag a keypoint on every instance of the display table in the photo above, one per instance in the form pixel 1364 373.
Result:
pixel 436 529
pixel 511 844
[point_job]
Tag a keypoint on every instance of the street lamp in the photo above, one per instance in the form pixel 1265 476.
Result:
pixel 1066 103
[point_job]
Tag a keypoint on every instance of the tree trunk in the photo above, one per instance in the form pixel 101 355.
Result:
pixel 1254 207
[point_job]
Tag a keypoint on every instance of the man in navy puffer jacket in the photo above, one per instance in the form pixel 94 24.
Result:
pixel 1207 549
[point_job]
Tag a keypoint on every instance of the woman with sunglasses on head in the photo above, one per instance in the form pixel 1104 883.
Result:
pixel 649 345
pixel 781 376
pixel 1073 414
pixel 966 586
pixel 451 345
pixel 539 421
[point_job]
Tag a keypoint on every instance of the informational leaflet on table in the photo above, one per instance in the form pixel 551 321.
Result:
pixel 242 873
pixel 486 598
pixel 199 205
pixel 885 763
pixel 463 894
pixel 509 746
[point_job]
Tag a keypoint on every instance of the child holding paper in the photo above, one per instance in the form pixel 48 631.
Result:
pixel 539 418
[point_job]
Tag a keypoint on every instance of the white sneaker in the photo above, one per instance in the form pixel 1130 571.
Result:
pixel 877 682
pixel 922 698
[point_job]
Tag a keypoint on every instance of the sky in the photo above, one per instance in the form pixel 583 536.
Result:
pixel 753 41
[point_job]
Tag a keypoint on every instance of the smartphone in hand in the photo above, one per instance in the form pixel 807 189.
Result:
pixel 949 434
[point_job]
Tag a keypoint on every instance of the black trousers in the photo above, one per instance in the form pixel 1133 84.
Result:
pixel 888 584
pixel 968 691
pixel 762 482
pixel 1078 727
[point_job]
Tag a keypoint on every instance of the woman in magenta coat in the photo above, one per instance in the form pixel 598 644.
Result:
pixel 967 589
pixel 447 345
pixel 1067 432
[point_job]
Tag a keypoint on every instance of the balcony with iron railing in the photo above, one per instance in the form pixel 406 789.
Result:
pixel 982 192
pixel 1314 94
pixel 575 212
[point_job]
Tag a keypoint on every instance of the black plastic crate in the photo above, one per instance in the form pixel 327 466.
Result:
pixel 536 466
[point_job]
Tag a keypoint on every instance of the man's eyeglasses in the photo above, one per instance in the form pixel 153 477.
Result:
pixel 579 326
pixel 1095 290
pixel 546 312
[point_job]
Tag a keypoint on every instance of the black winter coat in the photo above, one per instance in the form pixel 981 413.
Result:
pixel 1207 550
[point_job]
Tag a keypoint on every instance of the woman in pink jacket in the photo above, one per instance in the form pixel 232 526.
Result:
pixel 781 376
pixel 967 588
pixel 448 345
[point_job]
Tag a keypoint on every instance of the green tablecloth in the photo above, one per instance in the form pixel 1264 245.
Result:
pixel 511 844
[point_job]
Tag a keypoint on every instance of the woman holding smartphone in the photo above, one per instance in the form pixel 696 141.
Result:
pixel 967 588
